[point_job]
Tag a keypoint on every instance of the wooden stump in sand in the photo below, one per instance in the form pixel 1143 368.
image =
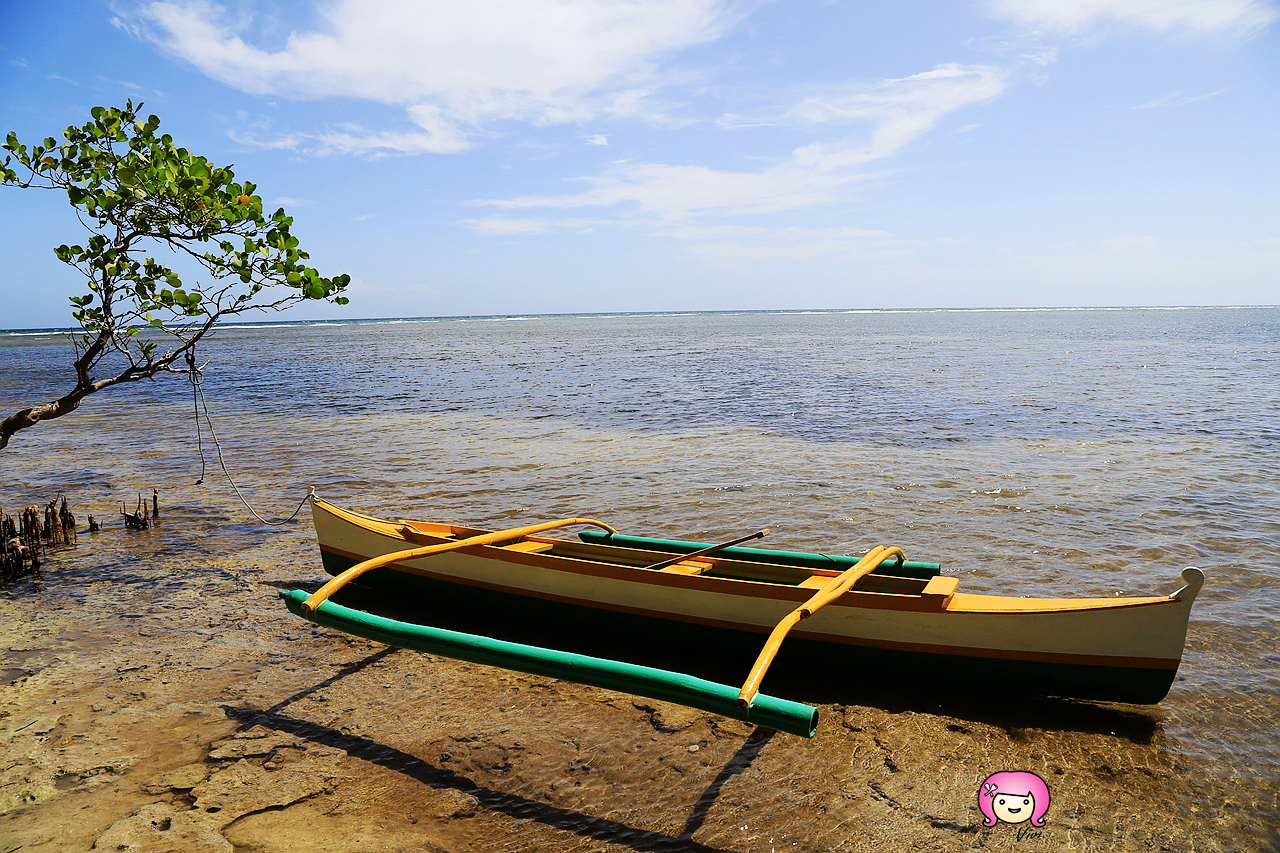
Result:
pixel 140 518
pixel 23 541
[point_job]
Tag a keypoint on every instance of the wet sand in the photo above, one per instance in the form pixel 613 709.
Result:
pixel 212 720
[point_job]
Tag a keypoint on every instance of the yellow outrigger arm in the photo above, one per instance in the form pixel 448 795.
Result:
pixel 837 587
pixel 322 594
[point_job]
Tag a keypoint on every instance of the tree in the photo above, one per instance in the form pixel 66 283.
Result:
pixel 136 192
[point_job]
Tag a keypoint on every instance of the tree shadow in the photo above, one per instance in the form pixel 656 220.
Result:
pixel 586 826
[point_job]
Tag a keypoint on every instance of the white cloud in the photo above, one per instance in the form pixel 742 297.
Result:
pixel 286 201
pixel 1191 18
pixel 1042 56
pixel 1177 99
pixel 458 69
pixel 286 142
pixel 437 136
pixel 898 112
pixel 453 65
pixel 510 227
pixel 676 192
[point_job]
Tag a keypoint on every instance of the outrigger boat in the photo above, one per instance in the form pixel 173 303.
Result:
pixel 880 614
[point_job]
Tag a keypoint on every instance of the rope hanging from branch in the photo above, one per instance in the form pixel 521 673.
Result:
pixel 198 402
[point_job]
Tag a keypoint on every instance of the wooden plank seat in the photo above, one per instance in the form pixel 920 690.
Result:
pixel 687 567
pixel 529 547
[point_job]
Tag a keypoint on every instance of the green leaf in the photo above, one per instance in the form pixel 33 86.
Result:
pixel 135 190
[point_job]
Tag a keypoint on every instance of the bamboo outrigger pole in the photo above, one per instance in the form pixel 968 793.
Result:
pixel 835 588
pixel 322 594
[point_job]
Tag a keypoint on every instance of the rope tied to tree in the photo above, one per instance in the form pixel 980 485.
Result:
pixel 199 402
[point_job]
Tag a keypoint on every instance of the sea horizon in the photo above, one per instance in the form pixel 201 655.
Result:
pixel 722 312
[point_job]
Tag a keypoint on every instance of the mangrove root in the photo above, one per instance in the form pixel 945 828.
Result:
pixel 143 516
pixel 22 543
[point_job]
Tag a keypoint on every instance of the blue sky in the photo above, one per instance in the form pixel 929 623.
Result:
pixel 496 157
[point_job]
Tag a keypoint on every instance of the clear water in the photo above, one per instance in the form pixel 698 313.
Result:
pixel 1054 452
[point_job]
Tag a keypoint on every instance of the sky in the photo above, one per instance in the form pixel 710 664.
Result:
pixel 554 156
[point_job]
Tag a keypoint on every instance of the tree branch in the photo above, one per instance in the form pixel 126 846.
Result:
pixel 123 179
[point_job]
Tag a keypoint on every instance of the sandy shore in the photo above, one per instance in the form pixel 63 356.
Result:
pixel 215 721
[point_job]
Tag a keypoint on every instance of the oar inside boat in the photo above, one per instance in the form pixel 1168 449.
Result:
pixel 781 714
pixel 714 548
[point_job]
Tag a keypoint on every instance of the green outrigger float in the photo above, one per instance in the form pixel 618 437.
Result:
pixel 781 714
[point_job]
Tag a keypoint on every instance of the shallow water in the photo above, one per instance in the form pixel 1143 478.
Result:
pixel 1031 452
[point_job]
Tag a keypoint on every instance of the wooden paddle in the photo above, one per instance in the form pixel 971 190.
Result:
pixel 680 559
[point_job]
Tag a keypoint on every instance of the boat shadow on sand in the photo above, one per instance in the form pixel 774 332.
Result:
pixel 1018 718
pixel 513 805
pixel 1016 714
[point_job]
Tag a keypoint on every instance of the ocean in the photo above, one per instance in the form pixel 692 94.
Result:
pixel 1053 452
